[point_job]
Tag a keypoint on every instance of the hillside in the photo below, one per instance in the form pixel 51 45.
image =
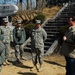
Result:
pixel 24 15
pixel 50 12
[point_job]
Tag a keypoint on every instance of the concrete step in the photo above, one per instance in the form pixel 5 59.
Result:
pixel 55 30
pixel 27 49
pixel 50 27
pixel 54 26
pixel 52 32
pixel 65 16
pixel 67 12
pixel 46 47
pixel 48 43
pixel 52 35
pixel 29 45
pixel 49 40
pixel 58 21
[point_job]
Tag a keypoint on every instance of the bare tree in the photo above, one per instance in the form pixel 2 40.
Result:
pixel 27 7
pixel 40 4
pixel 37 4
pixel 17 1
pixel 20 3
pixel 31 4
pixel 44 3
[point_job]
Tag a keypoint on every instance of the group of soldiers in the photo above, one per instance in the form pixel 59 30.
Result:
pixel 18 37
pixel 38 36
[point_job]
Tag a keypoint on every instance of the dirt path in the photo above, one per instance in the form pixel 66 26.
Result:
pixel 53 65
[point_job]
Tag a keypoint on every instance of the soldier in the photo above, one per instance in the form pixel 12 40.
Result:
pixel 19 37
pixel 2 52
pixel 7 34
pixel 38 36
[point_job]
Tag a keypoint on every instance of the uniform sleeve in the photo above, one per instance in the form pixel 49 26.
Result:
pixel 2 57
pixel 44 34
pixel 24 34
pixel 14 37
pixel 1 30
pixel 2 53
pixel 23 38
pixel 11 35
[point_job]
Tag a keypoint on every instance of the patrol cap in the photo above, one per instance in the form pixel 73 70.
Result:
pixel 19 21
pixel 38 21
pixel 5 20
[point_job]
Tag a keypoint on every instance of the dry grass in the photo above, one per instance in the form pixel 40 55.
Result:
pixel 28 15
pixel 50 12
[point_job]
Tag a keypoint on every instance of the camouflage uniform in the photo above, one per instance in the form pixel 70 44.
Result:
pixel 38 36
pixel 2 53
pixel 19 38
pixel 7 34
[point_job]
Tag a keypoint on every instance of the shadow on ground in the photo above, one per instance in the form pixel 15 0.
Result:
pixel 21 65
pixel 26 73
pixel 54 63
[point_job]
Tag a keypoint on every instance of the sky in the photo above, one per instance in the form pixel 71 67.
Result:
pixel 15 1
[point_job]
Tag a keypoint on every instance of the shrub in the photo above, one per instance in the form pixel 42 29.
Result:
pixel 39 17
pixel 28 28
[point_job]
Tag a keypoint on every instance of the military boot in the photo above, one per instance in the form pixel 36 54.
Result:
pixel 4 63
pixel 7 62
pixel 41 68
pixel 23 58
pixel 34 68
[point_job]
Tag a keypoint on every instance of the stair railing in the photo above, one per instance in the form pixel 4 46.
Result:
pixel 56 42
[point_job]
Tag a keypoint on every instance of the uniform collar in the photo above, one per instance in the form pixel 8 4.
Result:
pixel 6 26
pixel 38 28
pixel 19 28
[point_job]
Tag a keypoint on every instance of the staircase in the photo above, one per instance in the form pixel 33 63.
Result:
pixel 52 28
